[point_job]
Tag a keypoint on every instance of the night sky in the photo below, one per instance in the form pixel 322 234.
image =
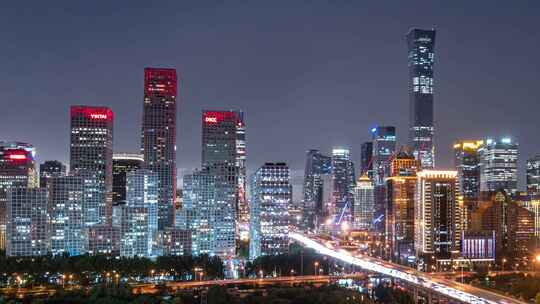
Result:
pixel 308 74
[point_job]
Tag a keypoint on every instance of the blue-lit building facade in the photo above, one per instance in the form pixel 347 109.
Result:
pixel 17 169
pixel 271 197
pixel 67 235
pixel 140 234
pixel 421 55
pixel 317 166
pixel 199 212
pixel 498 165
pixel 384 148
pixel 343 183
pixel 27 222
pixel 223 158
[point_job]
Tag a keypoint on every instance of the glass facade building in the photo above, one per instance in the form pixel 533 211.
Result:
pixel 317 165
pixel 48 169
pixel 364 201
pixel 91 156
pixel 17 169
pixel 366 159
pixel 498 165
pixel 141 230
pixel 27 222
pixel 421 55
pixel 343 183
pixel 158 137
pixel 223 157
pixel 123 163
pixel 271 198
pixel 67 235
pixel 384 148
pixel 533 175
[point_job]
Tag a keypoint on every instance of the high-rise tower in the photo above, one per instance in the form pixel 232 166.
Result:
pixel 223 157
pixel 421 45
pixel 317 165
pixel 91 156
pixel 158 138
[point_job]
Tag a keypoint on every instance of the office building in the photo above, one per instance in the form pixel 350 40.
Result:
pixel 343 183
pixel 421 54
pixel 17 169
pixel 27 222
pixel 175 241
pixel 91 157
pixel 66 230
pixel 103 239
pixel 48 169
pixel 437 218
pixel 366 159
pixel 364 201
pixel 533 175
pixel 158 137
pixel 399 211
pixel 317 165
pixel 123 163
pixel 140 235
pixel 467 164
pixel 498 165
pixel 271 198
pixel 223 156
pixel 384 148
pixel 521 230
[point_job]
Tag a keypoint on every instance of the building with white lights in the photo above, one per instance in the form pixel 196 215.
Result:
pixel 498 165
pixel 271 197
pixel 140 234
pixel 27 222
pixel 437 220
pixel 364 201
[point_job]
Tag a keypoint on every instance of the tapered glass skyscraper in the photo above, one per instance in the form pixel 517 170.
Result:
pixel 421 44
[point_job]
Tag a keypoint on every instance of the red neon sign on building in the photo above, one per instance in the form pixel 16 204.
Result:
pixel 16 155
pixel 94 113
pixel 160 82
pixel 213 117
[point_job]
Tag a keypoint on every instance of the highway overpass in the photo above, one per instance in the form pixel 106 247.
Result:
pixel 463 293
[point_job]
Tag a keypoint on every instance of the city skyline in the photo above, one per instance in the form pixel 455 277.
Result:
pixel 341 74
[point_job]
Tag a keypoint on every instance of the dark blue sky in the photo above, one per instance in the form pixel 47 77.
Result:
pixel 308 74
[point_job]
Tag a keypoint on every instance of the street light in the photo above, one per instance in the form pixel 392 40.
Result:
pixel 503 262
pixel 315 268
pixel 292 272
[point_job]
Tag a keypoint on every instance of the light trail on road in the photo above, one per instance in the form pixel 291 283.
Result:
pixel 461 292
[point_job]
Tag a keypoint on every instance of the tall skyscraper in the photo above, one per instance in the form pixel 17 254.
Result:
pixel 27 222
pixel 65 213
pixel 48 169
pixel 366 159
pixel 437 218
pixel 123 163
pixel 223 156
pixel 141 229
pixel 202 215
pixel 158 137
pixel 533 175
pixel 271 197
pixel 399 216
pixel 364 201
pixel 467 164
pixel 17 169
pixel 498 165
pixel 421 54
pixel 91 157
pixel 343 183
pixel 317 165
pixel 384 148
